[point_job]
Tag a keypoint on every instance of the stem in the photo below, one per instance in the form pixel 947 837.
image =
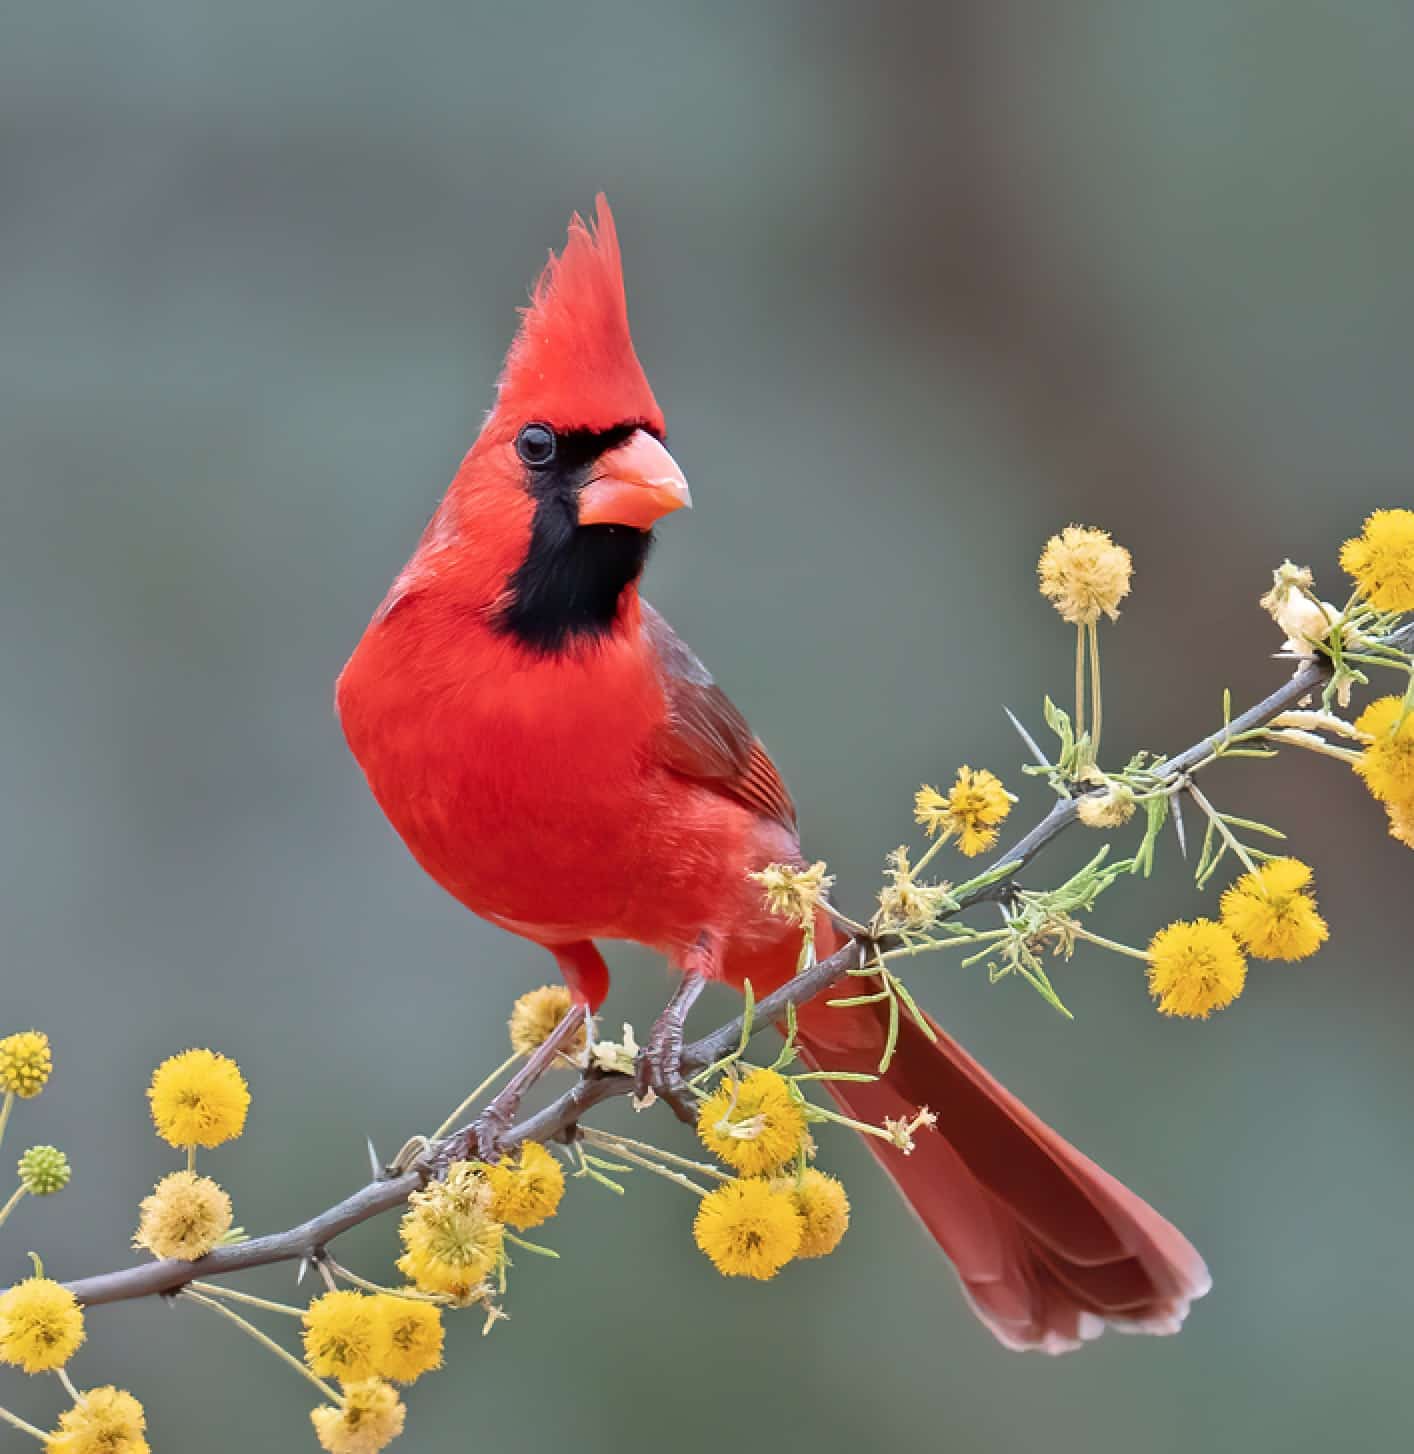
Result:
pixel 1104 943
pixel 612 1140
pixel 1094 633
pixel 1223 831
pixel 1079 682
pixel 6 1107
pixel 411 1295
pixel 265 1342
pixel 16 1422
pixel 248 1298
pixel 63 1376
pixel 1296 738
pixel 12 1203
pixel 657 1168
pixel 191 1158
pixel 474 1095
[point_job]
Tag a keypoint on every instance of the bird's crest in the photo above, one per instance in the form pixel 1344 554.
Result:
pixel 572 364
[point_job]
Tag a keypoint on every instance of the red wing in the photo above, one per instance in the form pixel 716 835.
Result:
pixel 705 737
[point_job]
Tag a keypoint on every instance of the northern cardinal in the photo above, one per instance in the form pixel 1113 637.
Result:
pixel 557 758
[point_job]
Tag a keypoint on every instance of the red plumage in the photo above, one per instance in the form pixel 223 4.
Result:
pixel 559 761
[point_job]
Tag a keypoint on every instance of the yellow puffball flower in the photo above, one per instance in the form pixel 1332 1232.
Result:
pixel 754 1124
pixel 344 1335
pixel 369 1418
pixel 792 892
pixel 969 811
pixel 185 1217
pixel 25 1063
pixel 1083 573
pixel 450 1239
pixel 526 1187
pixel 1195 969
pixel 823 1208
pixel 536 1013
pixel 1388 762
pixel 748 1229
pixel 41 1325
pixel 198 1098
pixel 1401 823
pixel 1272 912
pixel 1381 559
pixel 412 1337
pixel 104 1420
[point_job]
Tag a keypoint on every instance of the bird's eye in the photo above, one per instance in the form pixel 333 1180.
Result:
pixel 535 444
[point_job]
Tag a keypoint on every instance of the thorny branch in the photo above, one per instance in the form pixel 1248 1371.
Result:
pixel 558 1119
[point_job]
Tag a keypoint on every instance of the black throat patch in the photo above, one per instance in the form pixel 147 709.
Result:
pixel 568 586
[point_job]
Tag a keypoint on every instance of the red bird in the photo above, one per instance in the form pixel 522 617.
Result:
pixel 560 762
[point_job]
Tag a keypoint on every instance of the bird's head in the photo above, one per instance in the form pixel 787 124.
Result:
pixel 553 508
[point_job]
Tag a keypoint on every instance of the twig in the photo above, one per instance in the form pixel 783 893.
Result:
pixel 557 1120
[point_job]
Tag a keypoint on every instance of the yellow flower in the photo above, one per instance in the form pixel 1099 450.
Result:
pixel 25 1063
pixel 185 1217
pixel 1388 762
pixel 412 1337
pixel 970 810
pixel 748 1229
pixel 1272 912
pixel 450 1239
pixel 1401 823
pixel 1381 559
pixel 198 1098
pixel 41 1325
pixel 536 1013
pixel 526 1187
pixel 344 1335
pixel 105 1420
pixel 1195 969
pixel 823 1208
pixel 755 1124
pixel 1083 573
pixel 44 1170
pixel 792 892
pixel 370 1417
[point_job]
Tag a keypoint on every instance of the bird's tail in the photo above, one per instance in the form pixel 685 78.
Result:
pixel 1049 1247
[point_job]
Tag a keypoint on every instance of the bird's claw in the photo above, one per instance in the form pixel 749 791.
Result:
pixel 659 1073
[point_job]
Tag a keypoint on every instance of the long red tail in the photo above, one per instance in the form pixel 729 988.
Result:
pixel 1049 1247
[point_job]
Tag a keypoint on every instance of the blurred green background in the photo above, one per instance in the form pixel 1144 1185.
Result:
pixel 916 285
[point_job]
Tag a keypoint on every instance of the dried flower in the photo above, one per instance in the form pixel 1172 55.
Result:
pixel 902 1129
pixel 616 1057
pixel 1272 912
pixel 754 1124
pixel 1381 559
pixel 1302 618
pixel 1111 808
pixel 412 1337
pixel 41 1325
pixel 904 903
pixel 44 1170
pixel 104 1420
pixel 198 1098
pixel 748 1228
pixel 1388 762
pixel 792 892
pixel 1195 969
pixel 450 1239
pixel 537 1013
pixel 368 1419
pixel 25 1063
pixel 970 810
pixel 185 1217
pixel 823 1208
pixel 526 1187
pixel 1083 574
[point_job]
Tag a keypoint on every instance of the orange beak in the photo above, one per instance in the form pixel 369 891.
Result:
pixel 635 484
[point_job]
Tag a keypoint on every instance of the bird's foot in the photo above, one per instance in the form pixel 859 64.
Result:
pixel 659 1071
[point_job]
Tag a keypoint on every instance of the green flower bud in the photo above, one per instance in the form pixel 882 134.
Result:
pixel 44 1170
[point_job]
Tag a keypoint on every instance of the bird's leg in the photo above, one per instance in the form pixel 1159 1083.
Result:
pixel 486 1131
pixel 660 1063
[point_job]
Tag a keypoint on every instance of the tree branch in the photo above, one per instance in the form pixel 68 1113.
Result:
pixel 558 1119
